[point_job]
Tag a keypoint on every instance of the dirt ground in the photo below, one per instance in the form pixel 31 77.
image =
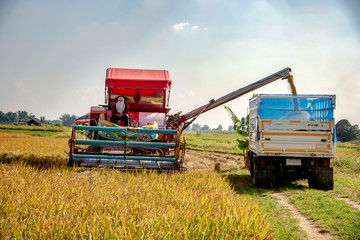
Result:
pixel 197 161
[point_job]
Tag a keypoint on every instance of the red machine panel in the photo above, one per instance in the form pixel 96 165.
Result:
pixel 137 78
pixel 145 90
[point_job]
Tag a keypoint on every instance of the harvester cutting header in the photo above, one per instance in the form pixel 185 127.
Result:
pixel 153 138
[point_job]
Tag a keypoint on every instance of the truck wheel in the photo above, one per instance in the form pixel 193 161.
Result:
pixel 264 177
pixel 251 166
pixel 321 178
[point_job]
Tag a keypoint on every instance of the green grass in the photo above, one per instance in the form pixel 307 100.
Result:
pixel 334 215
pixel 347 184
pixel 347 147
pixel 37 131
pixel 347 161
pixel 346 171
pixel 282 225
pixel 212 142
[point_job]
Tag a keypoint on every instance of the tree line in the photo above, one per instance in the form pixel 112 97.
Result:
pixel 23 116
pixel 345 131
pixel 11 117
pixel 196 127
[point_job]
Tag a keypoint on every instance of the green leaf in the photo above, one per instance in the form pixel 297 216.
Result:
pixel 239 129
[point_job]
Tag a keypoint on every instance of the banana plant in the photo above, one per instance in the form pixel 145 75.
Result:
pixel 242 129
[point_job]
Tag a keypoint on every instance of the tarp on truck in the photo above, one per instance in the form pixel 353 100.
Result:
pixel 293 107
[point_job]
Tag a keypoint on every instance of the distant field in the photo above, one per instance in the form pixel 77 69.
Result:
pixel 211 142
pixel 39 131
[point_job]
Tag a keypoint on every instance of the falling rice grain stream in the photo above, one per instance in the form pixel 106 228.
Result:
pixel 292 85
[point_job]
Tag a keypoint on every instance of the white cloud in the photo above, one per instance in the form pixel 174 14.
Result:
pixel 113 23
pixel 180 26
pixel 191 93
pixel 21 89
pixel 183 25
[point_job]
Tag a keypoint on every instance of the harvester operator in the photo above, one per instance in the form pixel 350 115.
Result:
pixel 120 111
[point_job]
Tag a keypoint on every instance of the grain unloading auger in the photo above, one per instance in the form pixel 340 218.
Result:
pixel 153 140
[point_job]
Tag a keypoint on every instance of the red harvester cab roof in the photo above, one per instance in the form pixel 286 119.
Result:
pixel 145 90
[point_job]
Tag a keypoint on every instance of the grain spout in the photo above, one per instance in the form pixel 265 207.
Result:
pixel 292 85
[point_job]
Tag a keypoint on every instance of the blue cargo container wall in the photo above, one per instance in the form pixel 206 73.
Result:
pixel 299 107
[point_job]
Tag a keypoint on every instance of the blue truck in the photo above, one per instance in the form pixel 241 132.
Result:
pixel 292 137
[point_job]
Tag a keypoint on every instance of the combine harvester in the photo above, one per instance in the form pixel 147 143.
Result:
pixel 153 140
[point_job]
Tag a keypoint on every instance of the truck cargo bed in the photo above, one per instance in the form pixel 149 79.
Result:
pixel 293 138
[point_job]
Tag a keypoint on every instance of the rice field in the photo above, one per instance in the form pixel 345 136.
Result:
pixel 36 151
pixel 42 199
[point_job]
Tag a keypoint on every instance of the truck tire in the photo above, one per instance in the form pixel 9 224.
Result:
pixel 264 176
pixel 251 166
pixel 321 178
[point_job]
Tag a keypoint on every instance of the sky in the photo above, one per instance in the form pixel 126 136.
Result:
pixel 54 54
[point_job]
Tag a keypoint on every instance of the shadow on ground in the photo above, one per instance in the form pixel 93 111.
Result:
pixel 242 183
